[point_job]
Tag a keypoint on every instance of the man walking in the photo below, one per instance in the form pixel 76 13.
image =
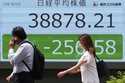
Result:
pixel 25 52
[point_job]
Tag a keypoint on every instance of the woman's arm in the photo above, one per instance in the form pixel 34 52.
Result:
pixel 75 71
pixel 76 67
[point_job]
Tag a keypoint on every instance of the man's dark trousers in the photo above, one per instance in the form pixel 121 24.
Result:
pixel 23 77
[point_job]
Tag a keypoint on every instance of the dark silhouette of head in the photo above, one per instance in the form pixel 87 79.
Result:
pixel 18 34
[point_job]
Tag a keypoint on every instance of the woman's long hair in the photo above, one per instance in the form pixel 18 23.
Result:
pixel 87 43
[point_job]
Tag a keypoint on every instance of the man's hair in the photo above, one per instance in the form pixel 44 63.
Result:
pixel 19 32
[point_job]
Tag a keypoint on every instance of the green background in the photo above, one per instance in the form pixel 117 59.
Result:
pixel 46 40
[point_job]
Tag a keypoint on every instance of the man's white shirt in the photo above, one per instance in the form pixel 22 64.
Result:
pixel 24 52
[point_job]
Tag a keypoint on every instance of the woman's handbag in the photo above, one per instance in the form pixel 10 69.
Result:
pixel 102 67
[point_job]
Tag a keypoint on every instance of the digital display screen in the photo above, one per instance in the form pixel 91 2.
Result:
pixel 54 27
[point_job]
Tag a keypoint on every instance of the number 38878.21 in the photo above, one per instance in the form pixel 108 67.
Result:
pixel 55 20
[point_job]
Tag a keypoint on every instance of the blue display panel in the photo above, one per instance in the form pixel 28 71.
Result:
pixel 66 17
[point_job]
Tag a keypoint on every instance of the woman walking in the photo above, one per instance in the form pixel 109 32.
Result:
pixel 87 64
